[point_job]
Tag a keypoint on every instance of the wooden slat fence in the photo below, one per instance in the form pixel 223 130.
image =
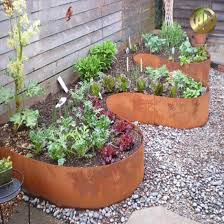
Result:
pixel 60 43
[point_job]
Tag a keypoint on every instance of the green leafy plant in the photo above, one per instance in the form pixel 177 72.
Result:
pixel 141 84
pixel 189 54
pixel 88 67
pixel 134 48
pixel 186 85
pixel 57 149
pixel 135 73
pixel 106 52
pixel 109 83
pixel 81 141
pixel 34 89
pixel 6 95
pixel 38 139
pixel 157 88
pixel 80 92
pixel 158 73
pixel 26 117
pixel 173 92
pixel 100 137
pixel 191 93
pixel 153 43
pixel 95 89
pixel 173 35
pixel 5 164
pixel 201 54
pixel 122 83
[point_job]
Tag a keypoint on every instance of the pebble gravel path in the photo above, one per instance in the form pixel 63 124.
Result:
pixel 184 171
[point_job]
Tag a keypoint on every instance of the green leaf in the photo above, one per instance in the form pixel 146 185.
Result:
pixel 34 89
pixel 26 117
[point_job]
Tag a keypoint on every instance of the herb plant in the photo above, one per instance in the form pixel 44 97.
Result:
pixel 88 67
pixel 5 164
pixel 106 52
pixel 173 35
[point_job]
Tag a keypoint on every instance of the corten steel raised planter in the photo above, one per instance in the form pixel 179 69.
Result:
pixel 92 187
pixel 172 112
pixel 198 71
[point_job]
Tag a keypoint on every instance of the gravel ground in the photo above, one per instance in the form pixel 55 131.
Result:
pixel 184 171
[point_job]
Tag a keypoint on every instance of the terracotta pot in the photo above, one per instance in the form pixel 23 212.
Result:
pixel 198 71
pixel 172 112
pixel 73 187
pixel 199 38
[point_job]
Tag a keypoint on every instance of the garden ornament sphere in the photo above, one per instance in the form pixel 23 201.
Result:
pixel 203 20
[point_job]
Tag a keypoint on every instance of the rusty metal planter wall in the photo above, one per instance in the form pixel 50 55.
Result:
pixel 198 71
pixel 90 187
pixel 172 112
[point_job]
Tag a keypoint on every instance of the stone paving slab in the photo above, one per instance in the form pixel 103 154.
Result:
pixel 157 215
pixel 20 216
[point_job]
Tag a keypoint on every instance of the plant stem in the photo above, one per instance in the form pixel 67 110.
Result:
pixel 19 82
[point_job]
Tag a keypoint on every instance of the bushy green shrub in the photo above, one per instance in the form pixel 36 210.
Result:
pixel 88 67
pixel 106 52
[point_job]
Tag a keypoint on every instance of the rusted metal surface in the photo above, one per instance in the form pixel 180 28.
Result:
pixel 198 71
pixel 172 112
pixel 93 187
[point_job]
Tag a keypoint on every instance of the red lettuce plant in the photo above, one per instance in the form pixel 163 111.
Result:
pixel 96 102
pixel 122 126
pixel 108 154
pixel 125 142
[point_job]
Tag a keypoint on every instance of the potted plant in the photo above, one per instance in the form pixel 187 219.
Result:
pixel 173 48
pixel 160 97
pixel 5 171
pixel 198 39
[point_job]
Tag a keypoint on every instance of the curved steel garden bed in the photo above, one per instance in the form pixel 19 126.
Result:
pixel 172 112
pixel 198 71
pixel 73 187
